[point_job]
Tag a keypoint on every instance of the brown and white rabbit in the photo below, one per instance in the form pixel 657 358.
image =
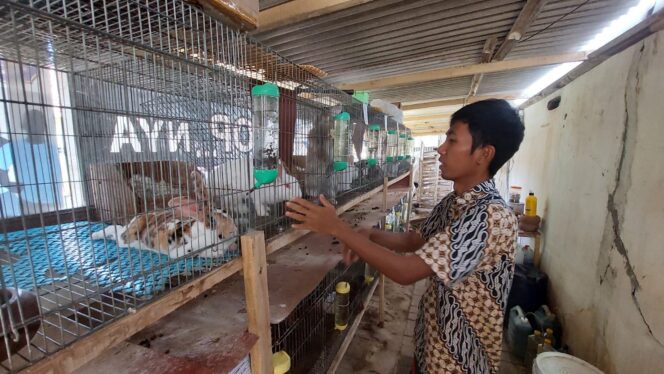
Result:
pixel 188 226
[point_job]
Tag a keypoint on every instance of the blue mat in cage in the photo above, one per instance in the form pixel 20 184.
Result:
pixel 48 254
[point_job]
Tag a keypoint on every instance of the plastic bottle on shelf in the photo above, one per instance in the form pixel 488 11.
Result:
pixel 342 306
pixel 545 346
pixel 531 205
pixel 534 340
pixel 549 335
pixel 265 114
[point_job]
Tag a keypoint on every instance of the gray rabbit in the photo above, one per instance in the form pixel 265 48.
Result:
pixel 319 175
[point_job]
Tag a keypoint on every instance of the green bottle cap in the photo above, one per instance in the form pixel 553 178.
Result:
pixel 374 127
pixel 343 116
pixel 391 132
pixel 265 176
pixel 340 165
pixel 267 89
pixel 372 162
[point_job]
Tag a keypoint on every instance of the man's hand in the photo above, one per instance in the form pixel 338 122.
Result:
pixel 321 219
pixel 349 256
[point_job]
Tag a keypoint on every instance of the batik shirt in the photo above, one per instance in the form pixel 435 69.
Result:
pixel 470 245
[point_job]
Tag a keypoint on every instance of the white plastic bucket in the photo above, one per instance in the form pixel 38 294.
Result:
pixel 561 363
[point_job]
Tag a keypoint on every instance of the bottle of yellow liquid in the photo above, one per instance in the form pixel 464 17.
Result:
pixel 531 205
pixel 342 306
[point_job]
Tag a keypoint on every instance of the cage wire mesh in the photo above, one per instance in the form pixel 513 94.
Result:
pixel 403 160
pixel 308 335
pixel 128 133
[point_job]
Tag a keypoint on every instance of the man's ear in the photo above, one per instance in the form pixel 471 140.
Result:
pixel 486 154
pixel 489 152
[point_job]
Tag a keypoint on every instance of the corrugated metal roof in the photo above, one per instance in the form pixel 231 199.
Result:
pixel 384 38
pixel 456 87
pixel 510 81
pixel 266 4
pixel 572 32
pixel 394 36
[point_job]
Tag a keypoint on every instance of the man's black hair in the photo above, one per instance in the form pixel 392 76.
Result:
pixel 493 122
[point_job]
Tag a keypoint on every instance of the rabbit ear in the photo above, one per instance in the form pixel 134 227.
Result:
pixel 280 170
pixel 175 202
pixel 186 207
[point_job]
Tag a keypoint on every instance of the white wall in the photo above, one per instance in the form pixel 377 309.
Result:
pixel 596 164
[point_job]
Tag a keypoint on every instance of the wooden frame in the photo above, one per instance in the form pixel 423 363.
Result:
pixel 458 101
pixel 465 70
pixel 253 261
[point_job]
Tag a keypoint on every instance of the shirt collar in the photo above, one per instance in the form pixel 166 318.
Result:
pixel 475 193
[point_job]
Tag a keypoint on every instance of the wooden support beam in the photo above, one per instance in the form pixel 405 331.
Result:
pixel 520 27
pixel 300 10
pixel 441 122
pixel 421 129
pixel 258 305
pixel 459 101
pixel 433 132
pixel 464 70
pixel 381 282
pixel 528 14
pixel 487 54
pixel 429 117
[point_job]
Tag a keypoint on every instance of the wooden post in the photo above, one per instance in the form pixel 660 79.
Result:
pixel 410 197
pixel 385 185
pixel 258 304
pixel 381 286
pixel 381 299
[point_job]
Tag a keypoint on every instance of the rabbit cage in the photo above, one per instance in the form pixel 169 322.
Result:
pixel 130 135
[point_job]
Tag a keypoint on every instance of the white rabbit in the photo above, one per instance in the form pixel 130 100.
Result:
pixel 235 176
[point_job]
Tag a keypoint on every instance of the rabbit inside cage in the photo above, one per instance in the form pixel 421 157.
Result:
pixel 128 163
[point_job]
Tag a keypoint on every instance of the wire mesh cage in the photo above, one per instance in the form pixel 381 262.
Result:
pixel 309 334
pixel 130 158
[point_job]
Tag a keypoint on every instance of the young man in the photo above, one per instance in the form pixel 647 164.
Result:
pixel 465 247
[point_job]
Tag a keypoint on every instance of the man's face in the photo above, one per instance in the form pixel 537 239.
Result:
pixel 456 158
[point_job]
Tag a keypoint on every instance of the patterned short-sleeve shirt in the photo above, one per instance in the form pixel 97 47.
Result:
pixel 470 245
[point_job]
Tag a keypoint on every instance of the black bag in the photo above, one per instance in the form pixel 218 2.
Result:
pixel 529 287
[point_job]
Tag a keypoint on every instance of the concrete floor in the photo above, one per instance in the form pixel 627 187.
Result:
pixel 389 350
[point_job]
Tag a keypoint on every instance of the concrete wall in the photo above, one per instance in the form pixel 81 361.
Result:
pixel 596 164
